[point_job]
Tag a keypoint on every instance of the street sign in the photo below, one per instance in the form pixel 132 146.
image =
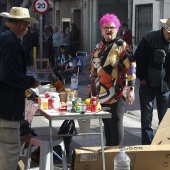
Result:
pixel 41 6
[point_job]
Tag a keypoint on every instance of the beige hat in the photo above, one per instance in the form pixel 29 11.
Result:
pixel 166 24
pixel 19 13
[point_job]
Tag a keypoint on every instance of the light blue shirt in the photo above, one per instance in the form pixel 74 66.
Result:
pixel 57 39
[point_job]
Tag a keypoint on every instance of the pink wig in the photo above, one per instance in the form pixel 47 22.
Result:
pixel 108 19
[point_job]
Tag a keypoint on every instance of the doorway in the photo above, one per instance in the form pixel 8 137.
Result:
pixel 65 23
pixel 77 21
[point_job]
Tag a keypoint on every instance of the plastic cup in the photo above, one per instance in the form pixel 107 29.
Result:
pixel 69 106
pixel 44 103
pixel 67 90
pixel 63 96
pixel 53 89
pixel 83 108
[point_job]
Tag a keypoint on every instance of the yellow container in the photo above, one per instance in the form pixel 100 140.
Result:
pixel 44 103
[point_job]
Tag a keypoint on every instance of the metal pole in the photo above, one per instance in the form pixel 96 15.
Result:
pixel 102 145
pixel 8 6
pixel 90 26
pixel 41 39
pixel 95 25
pixel 51 145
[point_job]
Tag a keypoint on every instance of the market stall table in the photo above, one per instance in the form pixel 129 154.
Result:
pixel 63 115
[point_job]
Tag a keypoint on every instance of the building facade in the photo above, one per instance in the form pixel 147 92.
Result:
pixel 141 15
pixel 84 13
pixel 146 17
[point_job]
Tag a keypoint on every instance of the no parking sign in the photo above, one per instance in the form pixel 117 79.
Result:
pixel 41 6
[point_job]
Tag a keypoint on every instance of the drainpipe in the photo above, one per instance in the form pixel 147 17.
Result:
pixel 130 14
pixel 82 32
pixel 90 26
pixel 94 25
pixel 130 7
pixel 161 9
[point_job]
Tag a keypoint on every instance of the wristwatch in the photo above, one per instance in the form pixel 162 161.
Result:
pixel 131 88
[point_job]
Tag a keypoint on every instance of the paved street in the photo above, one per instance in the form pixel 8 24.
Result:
pixel 131 123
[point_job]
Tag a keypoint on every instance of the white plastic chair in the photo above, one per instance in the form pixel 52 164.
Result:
pixel 44 143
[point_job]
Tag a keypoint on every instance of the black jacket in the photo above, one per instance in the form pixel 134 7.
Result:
pixel 152 61
pixel 13 79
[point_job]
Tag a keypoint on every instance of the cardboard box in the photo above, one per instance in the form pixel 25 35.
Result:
pixel 162 135
pixel 143 157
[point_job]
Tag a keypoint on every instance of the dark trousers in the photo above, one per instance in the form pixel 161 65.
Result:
pixel 56 71
pixel 113 127
pixel 147 96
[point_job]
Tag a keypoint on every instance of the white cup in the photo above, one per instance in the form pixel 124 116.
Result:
pixel 53 89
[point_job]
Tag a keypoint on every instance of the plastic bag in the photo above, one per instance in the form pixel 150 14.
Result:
pixel 67 127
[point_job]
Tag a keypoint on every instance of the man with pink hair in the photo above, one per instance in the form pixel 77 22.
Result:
pixel 112 74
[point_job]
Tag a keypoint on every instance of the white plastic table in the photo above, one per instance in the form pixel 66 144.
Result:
pixel 58 115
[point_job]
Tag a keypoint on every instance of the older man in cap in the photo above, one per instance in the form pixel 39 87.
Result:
pixel 13 83
pixel 153 70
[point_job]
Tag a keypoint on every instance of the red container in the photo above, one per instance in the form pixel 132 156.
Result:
pixel 53 103
pixel 94 107
pixel 92 99
pixel 50 103
pixel 88 108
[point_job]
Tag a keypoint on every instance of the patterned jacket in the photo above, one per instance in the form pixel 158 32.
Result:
pixel 112 69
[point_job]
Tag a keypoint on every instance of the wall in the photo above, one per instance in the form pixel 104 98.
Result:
pixel 90 12
pixel 98 8
pixel 166 8
pixel 64 9
pixel 86 26
pixel 156 14
pixel 160 10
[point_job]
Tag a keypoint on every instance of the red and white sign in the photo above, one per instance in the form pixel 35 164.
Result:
pixel 41 6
